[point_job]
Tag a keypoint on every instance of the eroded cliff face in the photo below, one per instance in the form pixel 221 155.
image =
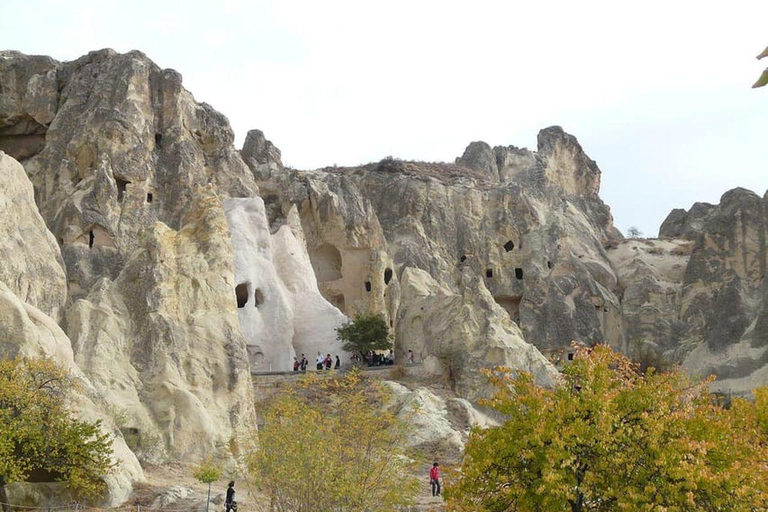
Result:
pixel 703 303
pixel 528 225
pixel 134 258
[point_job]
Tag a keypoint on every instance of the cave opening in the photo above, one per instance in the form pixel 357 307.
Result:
pixel 149 197
pixel 549 265
pixel 241 293
pixel 489 272
pixel 519 273
pixel 158 138
pixel 258 297
pixel 91 238
pixel 367 286
pixel 387 275
pixel 121 185
pixel 509 245
pixel 463 258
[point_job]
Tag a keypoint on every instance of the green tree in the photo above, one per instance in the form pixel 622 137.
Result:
pixel 38 433
pixel 611 438
pixel 328 444
pixel 368 331
pixel 207 472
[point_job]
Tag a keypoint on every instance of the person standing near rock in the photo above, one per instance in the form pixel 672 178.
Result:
pixel 328 361
pixel 434 479
pixel 319 361
pixel 296 364
pixel 304 363
pixel 229 502
pixel 410 356
pixel 338 363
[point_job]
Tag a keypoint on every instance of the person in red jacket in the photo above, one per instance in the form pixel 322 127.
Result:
pixel 434 479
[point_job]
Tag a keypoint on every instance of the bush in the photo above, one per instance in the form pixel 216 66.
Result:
pixel 368 331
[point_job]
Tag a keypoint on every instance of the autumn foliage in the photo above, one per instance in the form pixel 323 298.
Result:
pixel 611 438
pixel 38 433
pixel 328 445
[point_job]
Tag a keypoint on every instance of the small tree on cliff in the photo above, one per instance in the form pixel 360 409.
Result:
pixel 39 435
pixel 613 438
pixel 368 331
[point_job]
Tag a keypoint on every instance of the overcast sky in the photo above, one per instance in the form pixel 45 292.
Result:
pixel 657 92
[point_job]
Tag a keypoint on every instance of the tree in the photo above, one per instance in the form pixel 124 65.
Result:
pixel 763 80
pixel 328 444
pixel 368 331
pixel 633 232
pixel 611 438
pixel 39 434
pixel 207 472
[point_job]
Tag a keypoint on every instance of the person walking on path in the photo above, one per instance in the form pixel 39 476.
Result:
pixel 304 363
pixel 338 363
pixel 229 502
pixel 328 361
pixel 296 364
pixel 434 479
pixel 320 359
pixel 410 356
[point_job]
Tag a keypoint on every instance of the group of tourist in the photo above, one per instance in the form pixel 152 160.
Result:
pixel 322 361
pixel 327 362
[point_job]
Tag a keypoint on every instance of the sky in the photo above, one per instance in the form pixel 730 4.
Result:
pixel 657 92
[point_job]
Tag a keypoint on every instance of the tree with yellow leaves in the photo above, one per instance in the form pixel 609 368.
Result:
pixel 611 438
pixel 327 444
pixel 39 435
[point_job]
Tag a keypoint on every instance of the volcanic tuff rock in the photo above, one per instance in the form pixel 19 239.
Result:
pixel 280 308
pixel 117 152
pixel 38 277
pixel 31 278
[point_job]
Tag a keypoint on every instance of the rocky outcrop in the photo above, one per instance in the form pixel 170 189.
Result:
pixel 457 334
pixel 163 344
pixel 280 308
pixel 534 235
pixel 686 224
pixel 117 151
pixel 32 289
pixel 438 425
pixel 31 265
pixel 701 299
pixel 124 146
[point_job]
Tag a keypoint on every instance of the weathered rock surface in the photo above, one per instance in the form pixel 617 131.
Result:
pixel 31 264
pixel 280 308
pixel 124 146
pixel 702 299
pixel 532 230
pixel 439 426
pixel 456 334
pixel 163 344
pixel 32 291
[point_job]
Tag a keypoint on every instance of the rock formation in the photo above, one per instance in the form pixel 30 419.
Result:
pixel 281 311
pixel 32 283
pixel 712 317
pixel 162 265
